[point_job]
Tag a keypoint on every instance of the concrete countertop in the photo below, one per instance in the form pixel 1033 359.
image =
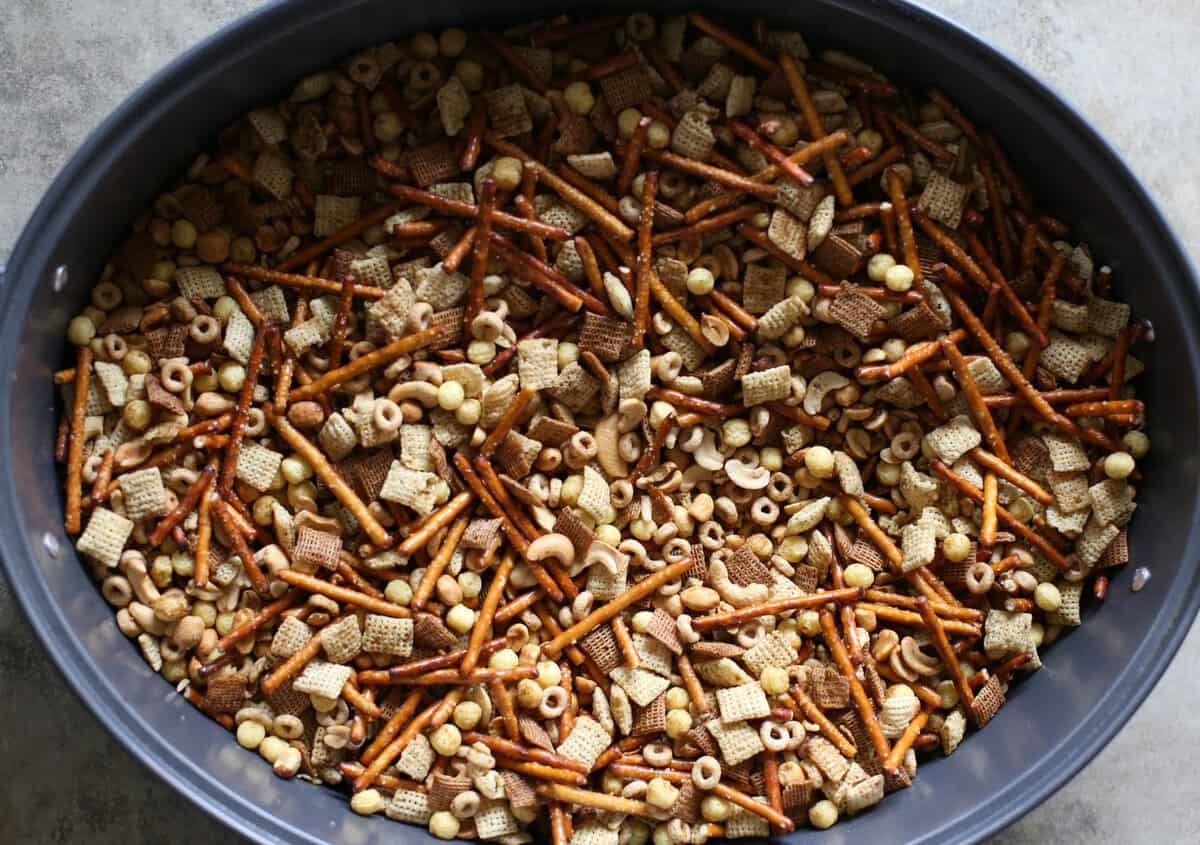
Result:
pixel 1128 68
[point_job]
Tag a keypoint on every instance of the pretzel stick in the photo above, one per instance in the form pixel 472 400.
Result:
pixel 1051 397
pixel 709 224
pixel 913 356
pixel 691 682
pixel 818 717
pixel 913 134
pixel 479 676
pixel 1012 475
pixel 900 616
pixel 515 536
pixel 1120 352
pixel 908 243
pixel 816 128
pixel 454 258
pixel 952 114
pixel 425 665
pixel 237 430
pixel 874 533
pixel 366 363
pixel 431 717
pixel 328 474
pixel 360 702
pixel 949 659
pixel 185 506
pixel 735 311
pixel 625 643
pixel 341 323
pixel 896 758
pixel 487 473
pixel 775 606
pixel 810 151
pixel 439 563
pixel 292 665
pixel 75 441
pixel 345 569
pixel 524 753
pixel 876 165
pixel 862 702
pixel 971 491
pixel 987 526
pixel 292 280
pixel 1105 408
pixel 742 48
pixel 482 241
pixel 941 607
pixel 979 410
pixel 487 613
pixel 508 713
pixel 641 299
pixel 633 156
pixel 458 208
pixel 1011 300
pixel 547 278
pixel 507 420
pixel 772 153
pixel 344 594
pixel 711 172
pixel 203 541
pixel 287 367
pixel 953 251
pixel 474 137
pixel 606 612
pixel 572 795
pixel 302 256
pixel 542 772
pixel 103 480
pixel 1015 186
pixel 392 726
pixel 434 523
pixel 766 811
pixel 591 268
pixel 244 301
pixel 221 509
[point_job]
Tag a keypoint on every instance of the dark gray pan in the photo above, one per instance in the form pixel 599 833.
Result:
pixel 1093 680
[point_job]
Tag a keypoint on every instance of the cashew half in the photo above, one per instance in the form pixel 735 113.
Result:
pixel 822 384
pixel 707 454
pixel 607 453
pixel 747 477
pixel 605 556
pixel 557 546
pixel 735 594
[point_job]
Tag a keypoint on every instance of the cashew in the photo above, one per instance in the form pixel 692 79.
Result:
pixel 212 404
pixel 707 455
pixel 618 295
pixel 630 413
pixel 557 546
pixel 822 384
pixel 735 594
pixel 605 556
pixel 808 517
pixel 420 391
pixel 607 433
pixel 747 477
pixel 714 329
pixel 917 660
pixel 133 567
pixel 693 475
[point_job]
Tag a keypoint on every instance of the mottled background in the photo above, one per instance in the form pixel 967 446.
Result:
pixel 1129 67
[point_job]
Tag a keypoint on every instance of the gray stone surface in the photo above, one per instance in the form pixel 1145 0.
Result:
pixel 1129 68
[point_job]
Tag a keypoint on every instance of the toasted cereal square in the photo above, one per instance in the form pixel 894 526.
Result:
pixel 770 385
pixel 200 282
pixel 507 112
pixel 415 447
pixel 480 533
pixel 342 641
pixel 738 741
pixel 575 387
pixel 417 758
pixel 537 363
pixel 830 689
pixel 112 381
pixel 634 375
pixel 573 528
pixel 433 163
pixel 662 628
pixel 918 323
pixel 409 806
pixel 554 212
pixel 762 287
pixel 516 454
pixel 800 200
pixel 654 655
pixel 605 336
pixel 743 824
pixel 825 756
pixel 105 536
pixel 144 493
pixel 411 488
pixel 1070 491
pixel 322 678
pixel 373 270
pixel 855 312
pixel 440 288
pixel 919 545
pixel 651 719
pixel 226 693
pixel 1007 633
pixel 679 341
pixel 272 171
pixel 269 125
pixel 943 199
pixel 954 439
pixel 390 314
pixel 257 465
pixel 781 317
pixel 588 740
pixel 453 105
pixel 625 88
pixel 239 337
pixel 388 635
pixel 597 166
pixel 450 321
pixel 837 256
pixel 272 303
pixel 494 820
pixel 332 213
pixel 337 438
pixel 746 568
pixel 789 233
pixel 1069 317
pixel 865 794
pixel 1117 553
pixel 595 499
pixel 988 702
pixel 1067 524
pixel 693 137
pixel 641 685
pixel 737 704
pixel 316 549
pixel 1066 452
pixel 600 644
pixel 1065 357
pixel 444 788
pixel 1112 501
pixel 301 338
pixel 1095 539
pixel 605 585
pixel 596 832
pixel 1107 318
pixel 291 635
pixel 901 393
pixel 1068 612
pixel 429 632
pixel 987 376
